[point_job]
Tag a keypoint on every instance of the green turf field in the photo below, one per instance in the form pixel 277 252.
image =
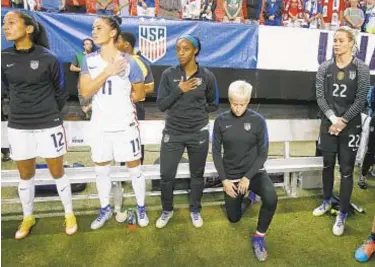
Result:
pixel 295 238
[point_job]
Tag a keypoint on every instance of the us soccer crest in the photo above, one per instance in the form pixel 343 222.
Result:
pixel 153 42
pixel 352 75
pixel 199 81
pixel 247 126
pixel 34 64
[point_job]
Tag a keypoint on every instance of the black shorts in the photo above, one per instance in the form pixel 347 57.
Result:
pixel 348 139
pixel 141 114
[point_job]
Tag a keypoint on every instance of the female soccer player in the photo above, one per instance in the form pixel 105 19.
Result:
pixel 243 134
pixel 187 93
pixel 369 159
pixel 35 80
pixel 109 76
pixel 342 84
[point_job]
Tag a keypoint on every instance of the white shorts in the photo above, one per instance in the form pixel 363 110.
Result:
pixel 121 146
pixel 29 144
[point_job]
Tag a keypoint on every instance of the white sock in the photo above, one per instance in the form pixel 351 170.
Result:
pixel 139 184
pixel 26 192
pixel 103 184
pixel 260 234
pixel 65 193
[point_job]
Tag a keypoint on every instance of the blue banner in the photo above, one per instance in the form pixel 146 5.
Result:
pixel 223 45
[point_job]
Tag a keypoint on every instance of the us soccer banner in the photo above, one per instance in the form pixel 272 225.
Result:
pixel 223 45
pixel 295 49
pixel 153 42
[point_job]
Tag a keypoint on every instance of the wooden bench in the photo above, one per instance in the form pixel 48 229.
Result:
pixel 285 131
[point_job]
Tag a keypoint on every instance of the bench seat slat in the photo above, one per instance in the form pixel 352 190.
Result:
pixel 152 172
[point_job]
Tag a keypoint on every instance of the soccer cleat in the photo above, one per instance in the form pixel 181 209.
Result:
pixel 164 218
pixel 339 226
pixel 326 206
pixel 364 252
pixel 24 229
pixel 253 197
pixel 104 215
pixel 71 226
pixel 196 219
pixel 142 216
pixel 362 182
pixel 259 248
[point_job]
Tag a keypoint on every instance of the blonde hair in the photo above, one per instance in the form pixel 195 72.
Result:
pixel 241 89
pixel 352 36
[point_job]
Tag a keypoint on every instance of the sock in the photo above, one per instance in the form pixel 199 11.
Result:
pixel 139 184
pixel 65 193
pixel 103 184
pixel 26 192
pixel 259 234
pixel 372 236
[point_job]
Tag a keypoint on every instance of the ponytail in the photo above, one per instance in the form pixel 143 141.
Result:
pixel 39 36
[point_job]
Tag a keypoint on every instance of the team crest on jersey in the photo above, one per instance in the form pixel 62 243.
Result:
pixel 199 81
pixel 123 74
pixel 340 75
pixel 247 126
pixel 34 64
pixel 153 42
pixel 352 75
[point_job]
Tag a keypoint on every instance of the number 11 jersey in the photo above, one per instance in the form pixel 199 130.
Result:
pixel 112 107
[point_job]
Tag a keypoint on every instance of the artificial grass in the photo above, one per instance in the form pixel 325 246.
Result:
pixel 295 238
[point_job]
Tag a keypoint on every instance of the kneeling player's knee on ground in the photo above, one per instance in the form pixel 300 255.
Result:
pixel 234 218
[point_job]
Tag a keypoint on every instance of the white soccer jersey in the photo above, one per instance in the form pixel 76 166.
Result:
pixel 112 107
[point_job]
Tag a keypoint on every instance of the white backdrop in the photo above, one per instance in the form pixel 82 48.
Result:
pixel 296 49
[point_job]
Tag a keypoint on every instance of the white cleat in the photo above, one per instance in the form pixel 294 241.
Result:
pixel 322 209
pixel 142 218
pixel 104 215
pixel 339 226
pixel 164 218
pixel 196 219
